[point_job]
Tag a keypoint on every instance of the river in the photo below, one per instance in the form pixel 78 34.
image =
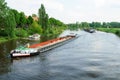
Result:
pixel 93 56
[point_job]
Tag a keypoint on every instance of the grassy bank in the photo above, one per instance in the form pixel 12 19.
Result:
pixel 5 39
pixel 110 30
pixel 22 33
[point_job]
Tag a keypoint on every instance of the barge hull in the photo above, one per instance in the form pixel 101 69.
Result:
pixel 44 49
pixel 24 55
pixel 36 49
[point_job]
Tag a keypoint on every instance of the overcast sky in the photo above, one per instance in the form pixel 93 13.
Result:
pixel 70 11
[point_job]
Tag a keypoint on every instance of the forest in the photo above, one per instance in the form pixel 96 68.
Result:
pixel 15 24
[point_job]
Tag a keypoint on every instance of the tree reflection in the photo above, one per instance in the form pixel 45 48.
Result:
pixel 4 59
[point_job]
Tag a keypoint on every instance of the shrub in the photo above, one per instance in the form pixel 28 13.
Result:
pixel 117 32
pixel 3 33
pixel 35 28
pixel 21 32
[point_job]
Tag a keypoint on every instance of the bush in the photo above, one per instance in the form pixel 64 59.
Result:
pixel 35 28
pixel 21 32
pixel 117 32
pixel 3 33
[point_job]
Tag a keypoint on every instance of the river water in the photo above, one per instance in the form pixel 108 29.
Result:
pixel 93 56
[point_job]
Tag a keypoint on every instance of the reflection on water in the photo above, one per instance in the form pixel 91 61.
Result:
pixel 89 57
pixel 5 48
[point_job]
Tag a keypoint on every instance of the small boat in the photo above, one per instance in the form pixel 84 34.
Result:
pixel 34 37
pixel 90 30
pixel 35 49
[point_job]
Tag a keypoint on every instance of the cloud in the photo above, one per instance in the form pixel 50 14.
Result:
pixel 99 3
pixel 29 6
pixel 70 11
pixel 53 5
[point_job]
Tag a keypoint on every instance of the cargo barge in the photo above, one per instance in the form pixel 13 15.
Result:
pixel 90 30
pixel 36 49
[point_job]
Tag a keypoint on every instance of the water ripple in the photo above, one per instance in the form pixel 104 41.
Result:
pixel 90 57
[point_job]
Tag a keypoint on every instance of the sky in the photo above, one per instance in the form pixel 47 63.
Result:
pixel 71 11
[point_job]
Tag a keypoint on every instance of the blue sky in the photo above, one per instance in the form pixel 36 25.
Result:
pixel 70 11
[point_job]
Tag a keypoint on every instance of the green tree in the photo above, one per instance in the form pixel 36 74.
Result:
pixel 72 26
pixel 29 20
pixel 10 24
pixel 17 16
pixel 95 25
pixel 85 25
pixel 107 25
pixel 7 19
pixel 43 18
pixel 104 24
pixel 54 22
pixel 34 15
pixel 114 24
pixel 23 20
pixel 35 28
pixel 3 13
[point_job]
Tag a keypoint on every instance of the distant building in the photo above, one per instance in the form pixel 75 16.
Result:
pixel 35 18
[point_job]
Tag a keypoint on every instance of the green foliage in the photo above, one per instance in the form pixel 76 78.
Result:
pixel 95 24
pixel 17 16
pixel 72 26
pixel 10 24
pixel 13 23
pixel 55 22
pixel 34 15
pixel 3 33
pixel 115 24
pixel 53 31
pixel 35 28
pixel 7 19
pixel 3 13
pixel 117 32
pixel 77 25
pixel 110 30
pixel 3 39
pixel 29 20
pixel 23 19
pixel 43 18
pixel 85 25
pixel 21 32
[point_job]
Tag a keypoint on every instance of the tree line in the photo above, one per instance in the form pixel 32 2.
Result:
pixel 17 24
pixel 95 25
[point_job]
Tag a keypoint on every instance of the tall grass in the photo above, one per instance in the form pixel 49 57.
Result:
pixel 110 30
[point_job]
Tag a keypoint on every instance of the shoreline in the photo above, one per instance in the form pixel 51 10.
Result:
pixel 5 39
pixel 115 31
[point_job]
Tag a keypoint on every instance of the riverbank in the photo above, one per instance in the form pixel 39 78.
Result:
pixel 5 39
pixel 48 35
pixel 110 30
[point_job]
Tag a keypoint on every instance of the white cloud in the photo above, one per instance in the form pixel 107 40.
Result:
pixel 53 5
pixel 72 10
pixel 99 3
pixel 33 5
